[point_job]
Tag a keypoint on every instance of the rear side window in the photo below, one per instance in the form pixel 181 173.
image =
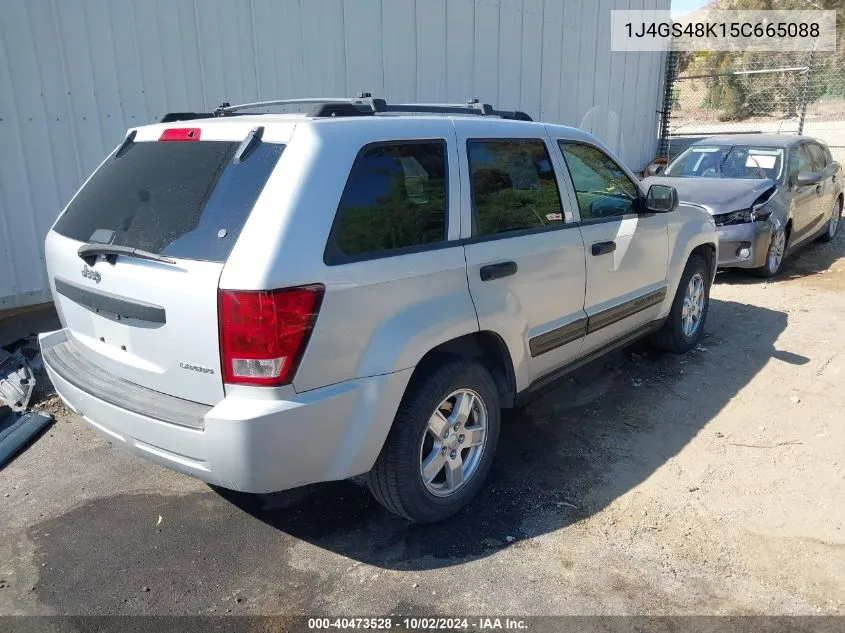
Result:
pixel 513 186
pixel 179 199
pixel 395 199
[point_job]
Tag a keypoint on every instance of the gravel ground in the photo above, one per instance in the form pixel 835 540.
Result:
pixel 711 483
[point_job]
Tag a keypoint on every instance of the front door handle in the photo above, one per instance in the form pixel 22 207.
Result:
pixel 819 189
pixel 602 248
pixel 498 270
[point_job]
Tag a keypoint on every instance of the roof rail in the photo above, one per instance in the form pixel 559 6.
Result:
pixel 364 105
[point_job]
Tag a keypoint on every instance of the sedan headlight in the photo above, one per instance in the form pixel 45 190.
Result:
pixel 743 216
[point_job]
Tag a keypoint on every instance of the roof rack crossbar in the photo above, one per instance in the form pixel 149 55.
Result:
pixel 366 104
pixel 482 109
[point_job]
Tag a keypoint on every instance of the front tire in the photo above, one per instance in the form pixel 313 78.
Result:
pixel 774 255
pixel 440 448
pixel 833 222
pixel 684 327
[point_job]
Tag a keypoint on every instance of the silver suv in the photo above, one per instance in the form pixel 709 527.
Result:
pixel 268 301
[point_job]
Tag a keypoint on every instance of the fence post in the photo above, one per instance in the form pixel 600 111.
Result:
pixel 806 91
pixel 668 85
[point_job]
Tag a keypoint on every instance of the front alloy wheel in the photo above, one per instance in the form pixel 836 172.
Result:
pixel 693 310
pixel 684 325
pixel 774 255
pixel 776 251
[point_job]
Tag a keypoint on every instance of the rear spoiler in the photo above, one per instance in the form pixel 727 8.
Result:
pixel 170 117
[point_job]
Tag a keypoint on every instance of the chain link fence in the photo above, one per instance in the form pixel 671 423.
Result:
pixel 795 92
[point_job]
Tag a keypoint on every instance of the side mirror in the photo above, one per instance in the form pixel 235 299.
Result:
pixel 653 169
pixel 808 178
pixel 661 199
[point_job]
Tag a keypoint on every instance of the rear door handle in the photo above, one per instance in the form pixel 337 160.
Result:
pixel 602 248
pixel 498 270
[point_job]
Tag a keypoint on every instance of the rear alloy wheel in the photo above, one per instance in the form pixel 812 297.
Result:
pixel 441 445
pixel 453 444
pixel 774 256
pixel 833 222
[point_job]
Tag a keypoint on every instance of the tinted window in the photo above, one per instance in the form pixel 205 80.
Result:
pixel 818 160
pixel 395 197
pixel 172 198
pixel 799 161
pixel 602 188
pixel 513 186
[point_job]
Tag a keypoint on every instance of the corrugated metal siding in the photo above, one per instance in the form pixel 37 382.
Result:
pixel 75 74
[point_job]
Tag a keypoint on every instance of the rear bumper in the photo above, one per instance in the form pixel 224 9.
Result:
pixel 250 441
pixel 754 236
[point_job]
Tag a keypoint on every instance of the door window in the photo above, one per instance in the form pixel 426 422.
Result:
pixel 799 161
pixel 818 160
pixel 395 199
pixel 601 186
pixel 513 186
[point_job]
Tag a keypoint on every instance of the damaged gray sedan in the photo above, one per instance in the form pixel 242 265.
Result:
pixel 768 194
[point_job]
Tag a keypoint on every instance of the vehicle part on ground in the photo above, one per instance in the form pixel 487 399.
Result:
pixel 17 430
pixel 16 380
pixel 425 471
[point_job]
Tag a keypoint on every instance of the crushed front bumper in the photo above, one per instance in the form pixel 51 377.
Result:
pixel 736 240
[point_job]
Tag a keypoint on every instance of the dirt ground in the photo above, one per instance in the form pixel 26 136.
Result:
pixel 712 483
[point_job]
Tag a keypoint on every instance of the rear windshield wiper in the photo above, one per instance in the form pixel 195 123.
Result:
pixel 89 253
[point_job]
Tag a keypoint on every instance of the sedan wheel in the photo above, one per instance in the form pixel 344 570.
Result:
pixel 833 222
pixel 776 251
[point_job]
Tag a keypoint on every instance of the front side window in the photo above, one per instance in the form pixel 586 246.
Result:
pixel 513 186
pixel 395 198
pixel 818 160
pixel 799 160
pixel 601 186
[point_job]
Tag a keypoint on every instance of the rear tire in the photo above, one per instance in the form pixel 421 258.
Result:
pixel 833 222
pixel 684 326
pixel 407 477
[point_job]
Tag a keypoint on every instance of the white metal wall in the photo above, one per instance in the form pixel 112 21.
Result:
pixel 75 74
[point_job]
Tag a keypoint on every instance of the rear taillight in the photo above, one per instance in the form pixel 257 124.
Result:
pixel 180 134
pixel 263 333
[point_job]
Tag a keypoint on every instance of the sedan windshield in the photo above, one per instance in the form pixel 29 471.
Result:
pixel 727 161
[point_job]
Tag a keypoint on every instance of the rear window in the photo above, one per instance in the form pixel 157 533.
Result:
pixel 178 199
pixel 395 201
